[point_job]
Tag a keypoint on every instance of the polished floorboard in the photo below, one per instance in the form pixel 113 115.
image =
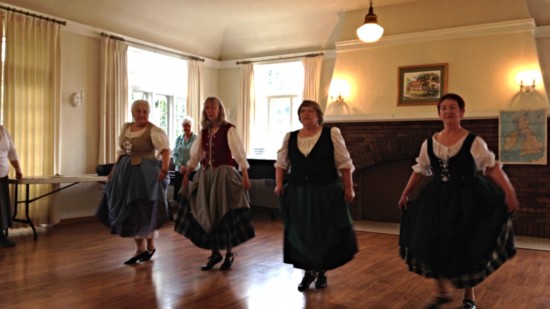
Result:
pixel 80 265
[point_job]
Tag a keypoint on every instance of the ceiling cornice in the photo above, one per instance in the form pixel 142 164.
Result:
pixel 443 34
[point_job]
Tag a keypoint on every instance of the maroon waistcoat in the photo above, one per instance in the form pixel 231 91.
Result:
pixel 217 149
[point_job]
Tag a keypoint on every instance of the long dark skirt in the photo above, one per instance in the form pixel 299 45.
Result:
pixel 134 202
pixel 460 233
pixel 318 233
pixel 5 208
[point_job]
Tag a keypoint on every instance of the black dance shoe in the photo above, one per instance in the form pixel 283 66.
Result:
pixel 228 262
pixel 214 259
pixel 468 304
pixel 321 281
pixel 148 255
pixel 137 257
pixel 308 278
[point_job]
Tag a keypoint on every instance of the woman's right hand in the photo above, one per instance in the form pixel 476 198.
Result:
pixel 278 190
pixel 402 204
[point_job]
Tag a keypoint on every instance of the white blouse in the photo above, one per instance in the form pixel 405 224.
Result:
pixel 7 152
pixel 483 157
pixel 236 147
pixel 158 137
pixel 342 158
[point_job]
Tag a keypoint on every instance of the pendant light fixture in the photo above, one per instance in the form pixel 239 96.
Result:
pixel 370 31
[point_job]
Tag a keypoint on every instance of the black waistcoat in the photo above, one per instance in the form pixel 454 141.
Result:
pixel 318 167
pixel 458 168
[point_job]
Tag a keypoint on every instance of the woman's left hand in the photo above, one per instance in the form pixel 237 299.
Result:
pixel 246 183
pixel 512 202
pixel 162 175
pixel 349 194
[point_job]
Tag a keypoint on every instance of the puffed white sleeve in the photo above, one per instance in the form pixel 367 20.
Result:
pixel 236 146
pixel 483 157
pixel 423 165
pixel 196 153
pixel 282 154
pixel 160 139
pixel 342 158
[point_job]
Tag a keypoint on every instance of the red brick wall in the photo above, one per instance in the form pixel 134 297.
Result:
pixel 374 142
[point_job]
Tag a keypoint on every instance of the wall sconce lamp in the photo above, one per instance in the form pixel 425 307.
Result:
pixel 339 91
pixel 527 89
pixel 78 98
pixel 370 31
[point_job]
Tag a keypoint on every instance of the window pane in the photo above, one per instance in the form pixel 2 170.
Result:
pixel 159 112
pixel 161 80
pixel 279 90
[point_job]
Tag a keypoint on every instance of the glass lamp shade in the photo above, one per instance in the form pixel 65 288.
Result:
pixel 370 32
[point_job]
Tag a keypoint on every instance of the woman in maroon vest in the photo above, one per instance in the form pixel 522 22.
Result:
pixel 217 214
pixel 319 233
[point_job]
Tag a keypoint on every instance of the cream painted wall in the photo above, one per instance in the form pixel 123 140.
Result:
pixel 482 69
pixel 79 124
pixel 426 15
pixel 543 47
pixel 80 71
pixel 229 88
pixel 211 87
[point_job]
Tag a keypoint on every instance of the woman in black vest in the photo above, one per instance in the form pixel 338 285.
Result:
pixel 459 230
pixel 318 233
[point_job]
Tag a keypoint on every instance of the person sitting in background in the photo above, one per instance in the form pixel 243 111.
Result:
pixel 8 155
pixel 181 154
pixel 134 202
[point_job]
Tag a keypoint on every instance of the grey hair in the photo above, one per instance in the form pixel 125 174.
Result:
pixel 137 102
pixel 188 120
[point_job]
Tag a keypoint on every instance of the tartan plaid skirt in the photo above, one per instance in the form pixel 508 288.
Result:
pixel 211 190
pixel 234 229
pixel 463 239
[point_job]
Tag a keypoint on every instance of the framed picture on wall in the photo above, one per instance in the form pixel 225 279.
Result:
pixel 421 84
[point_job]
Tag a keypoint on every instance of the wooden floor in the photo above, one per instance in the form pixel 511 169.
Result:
pixel 80 265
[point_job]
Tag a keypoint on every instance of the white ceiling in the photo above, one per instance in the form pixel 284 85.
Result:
pixel 217 29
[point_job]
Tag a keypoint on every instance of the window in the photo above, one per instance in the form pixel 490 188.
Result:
pixel 279 89
pixel 161 80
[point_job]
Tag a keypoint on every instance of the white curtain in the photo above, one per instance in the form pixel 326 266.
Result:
pixel 32 102
pixel 195 87
pixel 312 75
pixel 113 96
pixel 245 108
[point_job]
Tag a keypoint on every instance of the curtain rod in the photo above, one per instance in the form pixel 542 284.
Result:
pixel 115 37
pixel 281 58
pixel 61 22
